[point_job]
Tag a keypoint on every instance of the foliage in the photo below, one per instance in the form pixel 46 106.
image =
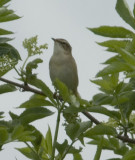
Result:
pixel 9 56
pixel 115 98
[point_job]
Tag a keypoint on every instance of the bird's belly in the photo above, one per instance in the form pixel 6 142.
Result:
pixel 64 72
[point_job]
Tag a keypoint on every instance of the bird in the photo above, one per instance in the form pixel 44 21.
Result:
pixel 62 65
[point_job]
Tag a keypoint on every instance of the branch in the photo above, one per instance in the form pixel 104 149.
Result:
pixel 23 86
pixel 88 115
pixel 56 135
pixel 125 139
pixel 28 88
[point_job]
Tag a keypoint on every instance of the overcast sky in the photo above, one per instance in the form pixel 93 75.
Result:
pixel 66 19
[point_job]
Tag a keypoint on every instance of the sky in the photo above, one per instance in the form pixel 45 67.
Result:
pixel 60 19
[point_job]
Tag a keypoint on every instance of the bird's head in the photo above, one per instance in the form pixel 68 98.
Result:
pixel 62 45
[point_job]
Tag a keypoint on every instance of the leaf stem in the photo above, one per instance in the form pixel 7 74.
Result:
pixel 56 134
pixel 67 150
pixel 99 150
pixel 122 116
pixel 33 151
pixel 17 71
pixel 24 63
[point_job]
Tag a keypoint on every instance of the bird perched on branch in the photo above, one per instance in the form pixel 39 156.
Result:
pixel 62 65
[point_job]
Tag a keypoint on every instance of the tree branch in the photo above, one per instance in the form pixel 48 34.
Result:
pixel 126 139
pixel 88 115
pixel 23 86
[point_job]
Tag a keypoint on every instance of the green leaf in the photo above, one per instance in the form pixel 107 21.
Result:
pixel 17 131
pixel 21 134
pixel 3 2
pixel 114 43
pixel 127 107
pixel 114 67
pixel 33 132
pixel 73 150
pixel 26 136
pixel 1 114
pixel 105 144
pixel 7 15
pixel 123 10
pixel 73 109
pixel 75 130
pixel 130 47
pixel 33 65
pixel 7 88
pixel 62 147
pixel 28 153
pixel 13 115
pixel 7 49
pixel 5 11
pixel 3 135
pixel 124 87
pixel 48 141
pixel 107 83
pixel 5 32
pixel 130 155
pixel 106 99
pixel 45 89
pixel 128 57
pixel 77 156
pixel 46 145
pixel 7 124
pixel 114 142
pixel 32 114
pixel 64 92
pixel 4 39
pixel 100 130
pixel 37 96
pixel 102 99
pixel 35 102
pixel 113 59
pixel 121 150
pixel 102 110
pixel 112 31
pixel 99 150
pixel 130 74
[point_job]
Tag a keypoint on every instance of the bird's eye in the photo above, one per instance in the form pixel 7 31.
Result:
pixel 64 44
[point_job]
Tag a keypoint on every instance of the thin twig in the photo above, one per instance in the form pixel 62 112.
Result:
pixel 88 115
pixel 126 139
pixel 56 134
pixel 24 87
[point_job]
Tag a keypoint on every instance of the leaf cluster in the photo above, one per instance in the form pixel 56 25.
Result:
pixel 9 56
pixel 116 85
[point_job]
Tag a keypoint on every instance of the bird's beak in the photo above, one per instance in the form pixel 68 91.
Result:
pixel 54 39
